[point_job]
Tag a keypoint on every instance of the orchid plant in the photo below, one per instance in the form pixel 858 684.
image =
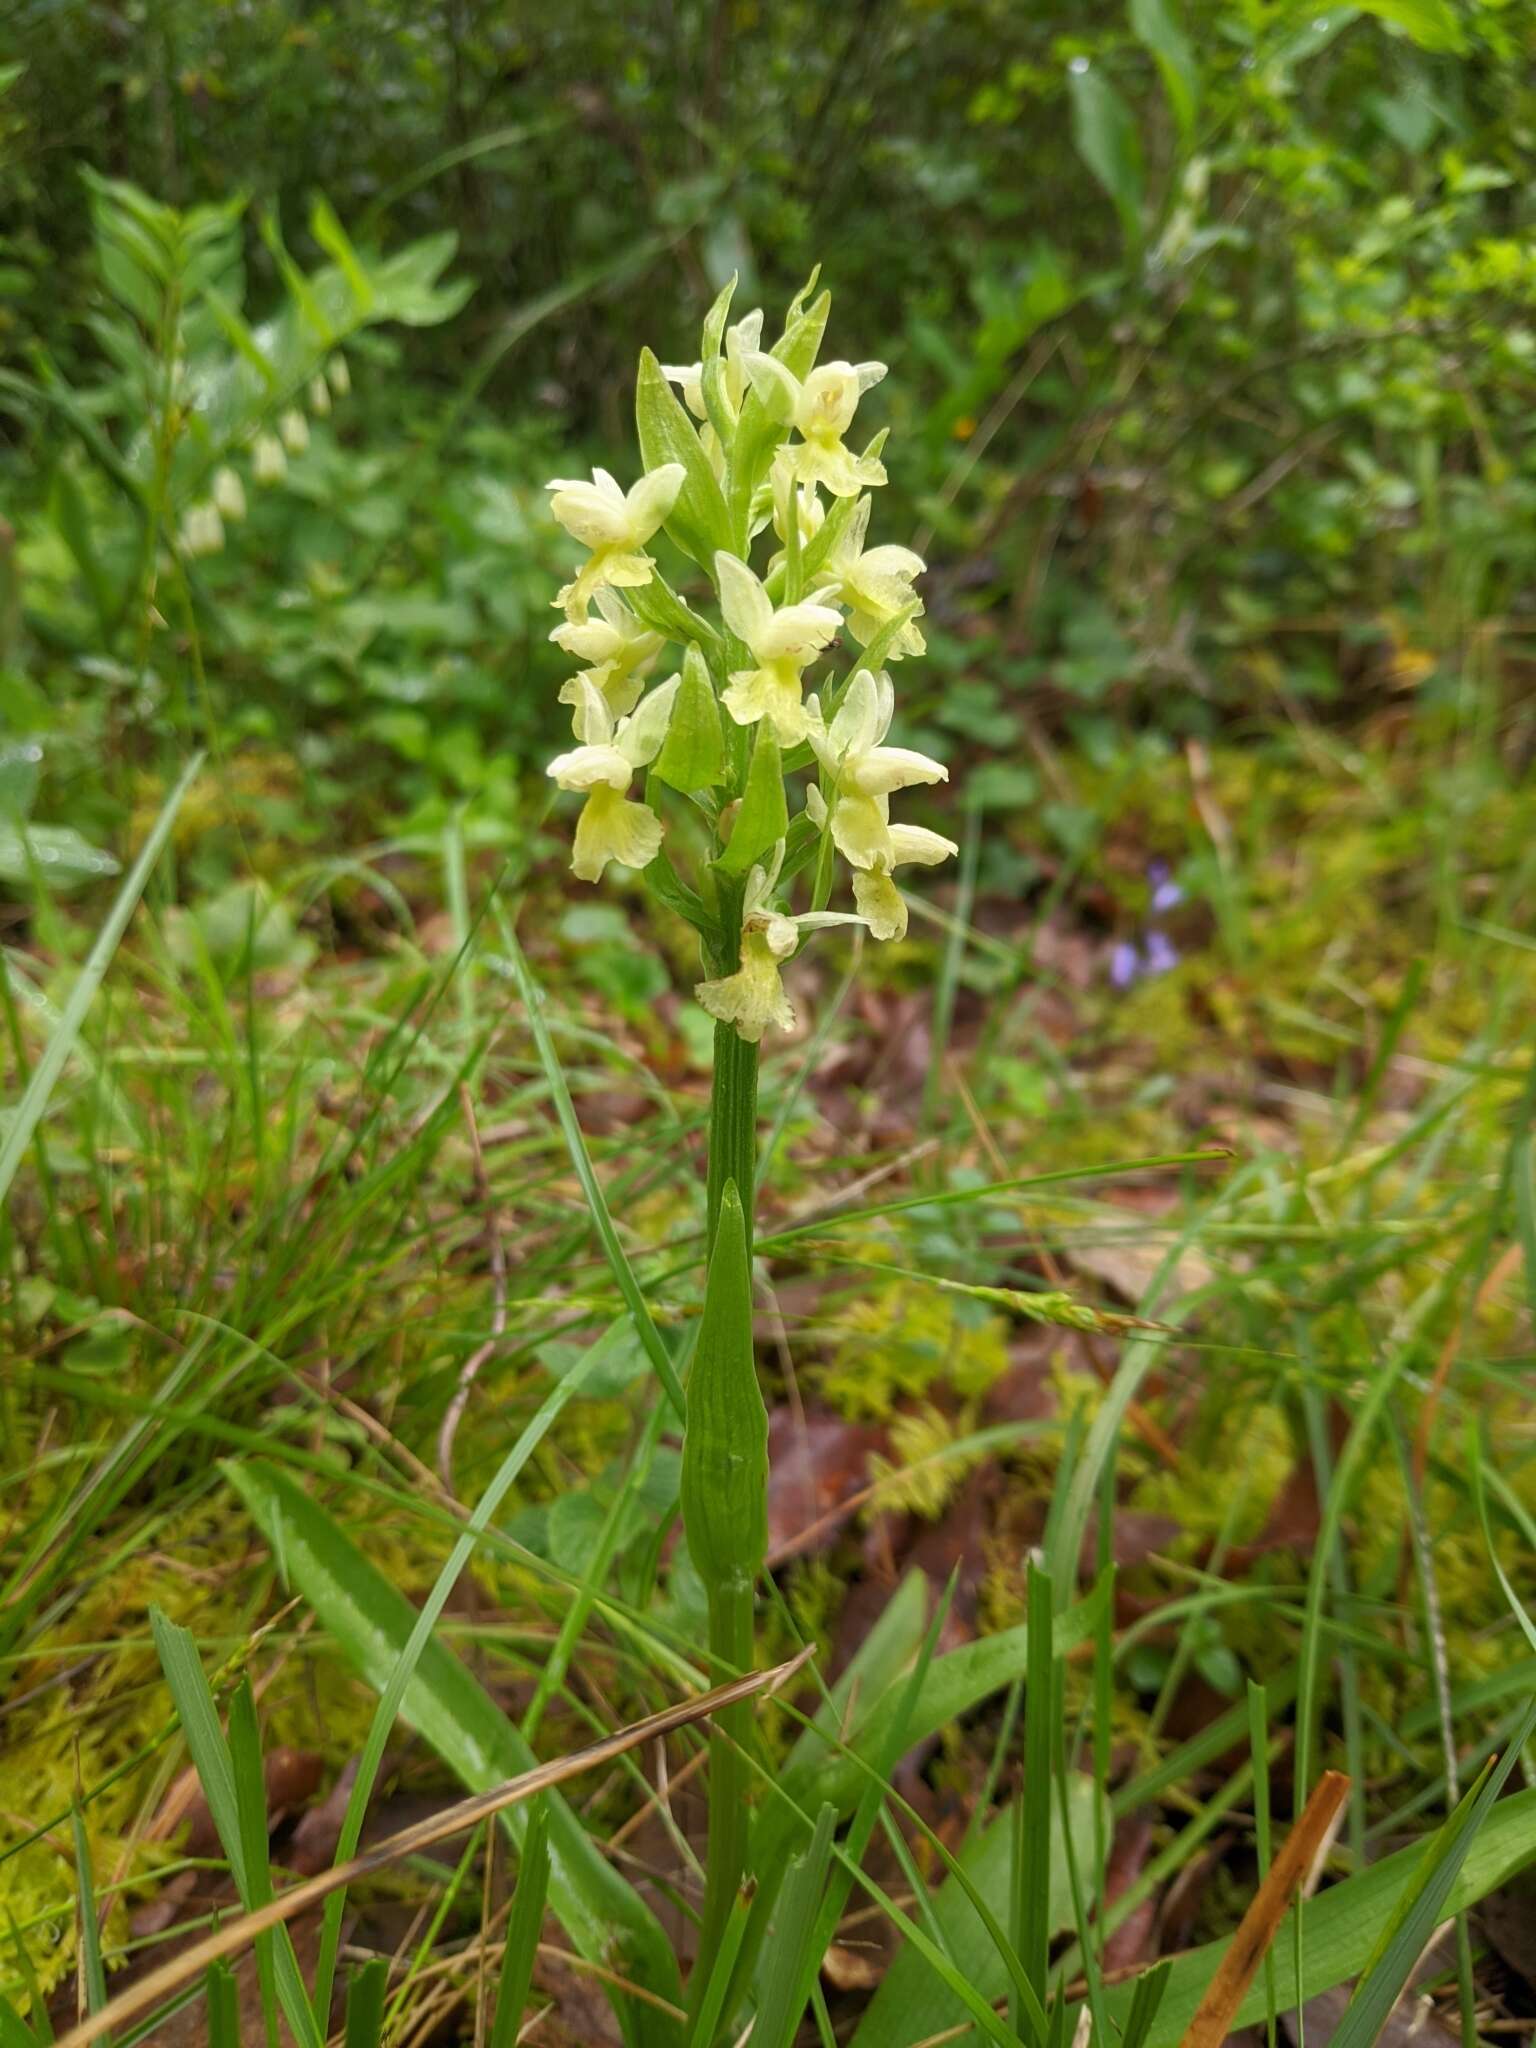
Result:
pixel 781 672
pixel 721 741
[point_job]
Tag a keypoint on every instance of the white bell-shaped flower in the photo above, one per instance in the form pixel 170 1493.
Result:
pixel 229 492
pixel 612 826
pixel 615 526
pixel 621 650
pixel 202 530
pixel 864 771
pixel 294 429
pixel 269 463
pixel 783 643
pixel 822 407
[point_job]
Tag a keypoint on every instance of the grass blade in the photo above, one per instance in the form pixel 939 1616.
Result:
pixel 91 1969
pixel 214 1762
pixel 365 2004
pixel 623 1273
pixel 394 1690
pixel 523 1929
pixel 223 2001
pixel 46 1073
pixel 412 1841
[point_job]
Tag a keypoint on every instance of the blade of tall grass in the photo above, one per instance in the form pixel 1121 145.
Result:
pixel 523 1929
pixel 394 1691
pixel 364 2024
pixel 214 1763
pixel 93 1975
pixel 623 1273
pixel 1030 1904
pixel 45 1075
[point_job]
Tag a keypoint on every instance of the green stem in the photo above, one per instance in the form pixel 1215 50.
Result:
pixel 732 1128
pixel 732 1158
pixel 731 1631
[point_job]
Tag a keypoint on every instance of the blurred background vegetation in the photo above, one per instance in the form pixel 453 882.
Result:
pixel 1212 344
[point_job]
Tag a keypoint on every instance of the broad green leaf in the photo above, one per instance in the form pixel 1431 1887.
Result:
pixel 1155 25
pixel 763 816
pixel 1421 1904
pixel 1104 132
pixel 912 2003
pixel 698 521
pixel 370 1623
pixel 1343 1925
pixel 54 855
pixel 1432 24
pixel 724 1487
pixel 693 754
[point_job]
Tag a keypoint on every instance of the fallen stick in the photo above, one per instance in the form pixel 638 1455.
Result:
pixel 1304 1847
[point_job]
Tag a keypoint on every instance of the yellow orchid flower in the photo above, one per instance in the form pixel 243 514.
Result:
pixel 753 997
pixel 875 584
pixel 864 771
pixel 612 826
pixel 615 526
pixel 622 652
pixel 881 904
pixel 782 642
pixel 822 408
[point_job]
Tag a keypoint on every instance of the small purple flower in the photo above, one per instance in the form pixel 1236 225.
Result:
pixel 1166 893
pixel 1152 952
pixel 1161 954
pixel 1124 964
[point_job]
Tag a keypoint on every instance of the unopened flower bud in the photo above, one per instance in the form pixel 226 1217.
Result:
pixel 294 429
pixel 269 465
pixel 202 531
pixel 319 397
pixel 229 492
pixel 340 376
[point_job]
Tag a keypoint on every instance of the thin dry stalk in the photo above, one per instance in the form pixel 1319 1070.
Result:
pixel 238 1934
